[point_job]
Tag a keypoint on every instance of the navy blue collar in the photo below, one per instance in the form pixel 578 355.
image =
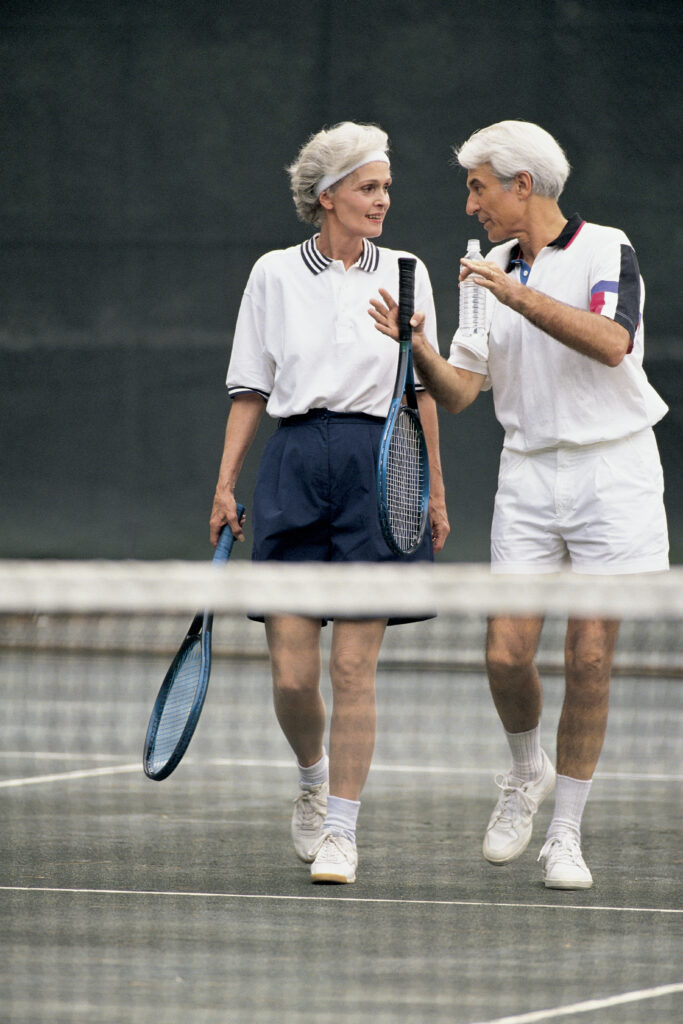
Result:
pixel 566 236
pixel 563 240
pixel 316 262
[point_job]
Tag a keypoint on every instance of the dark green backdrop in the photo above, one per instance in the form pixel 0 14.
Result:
pixel 143 147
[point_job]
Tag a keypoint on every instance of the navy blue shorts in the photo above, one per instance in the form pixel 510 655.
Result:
pixel 316 493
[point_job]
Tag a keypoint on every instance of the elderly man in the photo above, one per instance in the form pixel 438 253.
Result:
pixel 580 478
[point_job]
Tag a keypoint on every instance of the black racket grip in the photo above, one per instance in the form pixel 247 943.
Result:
pixel 406 296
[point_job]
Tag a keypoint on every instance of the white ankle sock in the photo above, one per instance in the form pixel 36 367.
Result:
pixel 316 773
pixel 341 817
pixel 570 800
pixel 527 758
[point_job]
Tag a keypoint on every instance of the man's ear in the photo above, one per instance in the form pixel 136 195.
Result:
pixel 524 184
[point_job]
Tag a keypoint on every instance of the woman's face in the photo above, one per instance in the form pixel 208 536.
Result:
pixel 360 201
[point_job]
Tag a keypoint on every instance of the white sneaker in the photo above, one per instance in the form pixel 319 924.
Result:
pixel 563 864
pixel 509 829
pixel 336 860
pixel 310 808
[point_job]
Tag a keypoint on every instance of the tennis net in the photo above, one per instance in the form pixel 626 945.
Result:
pixel 125 899
pixel 143 606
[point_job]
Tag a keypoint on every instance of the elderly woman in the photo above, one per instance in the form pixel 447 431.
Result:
pixel 305 351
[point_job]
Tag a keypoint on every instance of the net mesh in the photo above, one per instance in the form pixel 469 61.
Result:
pixel 132 893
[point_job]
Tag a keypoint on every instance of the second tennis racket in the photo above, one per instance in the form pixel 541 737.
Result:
pixel 403 465
pixel 181 698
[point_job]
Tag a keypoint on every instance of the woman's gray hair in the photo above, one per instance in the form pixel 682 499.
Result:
pixel 513 146
pixel 330 152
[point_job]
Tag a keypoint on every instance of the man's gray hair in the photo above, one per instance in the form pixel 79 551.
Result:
pixel 513 146
pixel 330 152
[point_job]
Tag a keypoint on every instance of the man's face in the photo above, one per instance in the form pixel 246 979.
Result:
pixel 498 210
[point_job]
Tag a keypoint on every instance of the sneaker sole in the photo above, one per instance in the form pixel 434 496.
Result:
pixel 568 885
pixel 330 876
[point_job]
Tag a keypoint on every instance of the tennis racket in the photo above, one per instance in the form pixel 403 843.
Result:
pixel 180 700
pixel 403 465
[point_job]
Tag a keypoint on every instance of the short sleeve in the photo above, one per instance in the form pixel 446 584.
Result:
pixel 615 284
pixel 251 368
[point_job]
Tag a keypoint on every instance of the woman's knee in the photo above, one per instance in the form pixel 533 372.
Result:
pixel 352 672
pixel 354 655
pixel 294 655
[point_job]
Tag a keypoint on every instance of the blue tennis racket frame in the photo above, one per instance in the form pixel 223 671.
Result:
pixel 408 413
pixel 199 633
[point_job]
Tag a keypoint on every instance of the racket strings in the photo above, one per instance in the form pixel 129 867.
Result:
pixel 176 710
pixel 406 470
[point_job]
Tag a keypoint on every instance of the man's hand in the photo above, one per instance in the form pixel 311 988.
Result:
pixel 597 337
pixel 385 315
pixel 491 277
pixel 438 519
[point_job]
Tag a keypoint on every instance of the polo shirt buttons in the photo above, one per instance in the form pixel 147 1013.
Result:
pixel 344 331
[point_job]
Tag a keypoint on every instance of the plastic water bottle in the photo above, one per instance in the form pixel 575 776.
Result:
pixel 472 314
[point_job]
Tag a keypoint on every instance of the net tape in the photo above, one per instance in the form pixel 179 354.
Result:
pixel 352 590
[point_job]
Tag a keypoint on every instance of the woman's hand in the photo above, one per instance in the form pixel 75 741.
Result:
pixel 224 512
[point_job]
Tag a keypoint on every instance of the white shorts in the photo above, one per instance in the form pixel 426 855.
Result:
pixel 599 508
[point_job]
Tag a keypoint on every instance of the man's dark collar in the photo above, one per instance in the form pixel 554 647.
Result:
pixel 563 240
pixel 571 228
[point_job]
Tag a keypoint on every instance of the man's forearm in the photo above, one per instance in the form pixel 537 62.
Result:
pixel 452 388
pixel 592 335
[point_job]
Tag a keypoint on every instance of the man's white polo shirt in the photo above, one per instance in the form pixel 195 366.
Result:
pixel 546 395
pixel 304 338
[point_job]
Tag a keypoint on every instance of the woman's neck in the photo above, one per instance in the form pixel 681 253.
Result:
pixel 339 245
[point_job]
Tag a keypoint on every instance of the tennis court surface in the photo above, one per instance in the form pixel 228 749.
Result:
pixel 122 899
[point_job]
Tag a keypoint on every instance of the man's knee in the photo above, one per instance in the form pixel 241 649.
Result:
pixel 511 645
pixel 589 652
pixel 508 654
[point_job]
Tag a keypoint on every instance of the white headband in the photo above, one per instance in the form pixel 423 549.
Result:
pixel 332 179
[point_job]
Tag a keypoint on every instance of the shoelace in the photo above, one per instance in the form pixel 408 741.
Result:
pixel 309 805
pixel 511 798
pixel 338 853
pixel 565 848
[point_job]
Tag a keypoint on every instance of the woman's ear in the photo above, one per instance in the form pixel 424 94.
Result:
pixel 325 200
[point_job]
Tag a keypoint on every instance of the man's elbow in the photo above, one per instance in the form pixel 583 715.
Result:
pixel 620 345
pixel 613 359
pixel 457 401
pixel 616 354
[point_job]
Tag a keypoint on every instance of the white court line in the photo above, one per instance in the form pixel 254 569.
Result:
pixel 588 1005
pixel 61 755
pixel 271 897
pixel 241 762
pixel 83 773
pixel 419 769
